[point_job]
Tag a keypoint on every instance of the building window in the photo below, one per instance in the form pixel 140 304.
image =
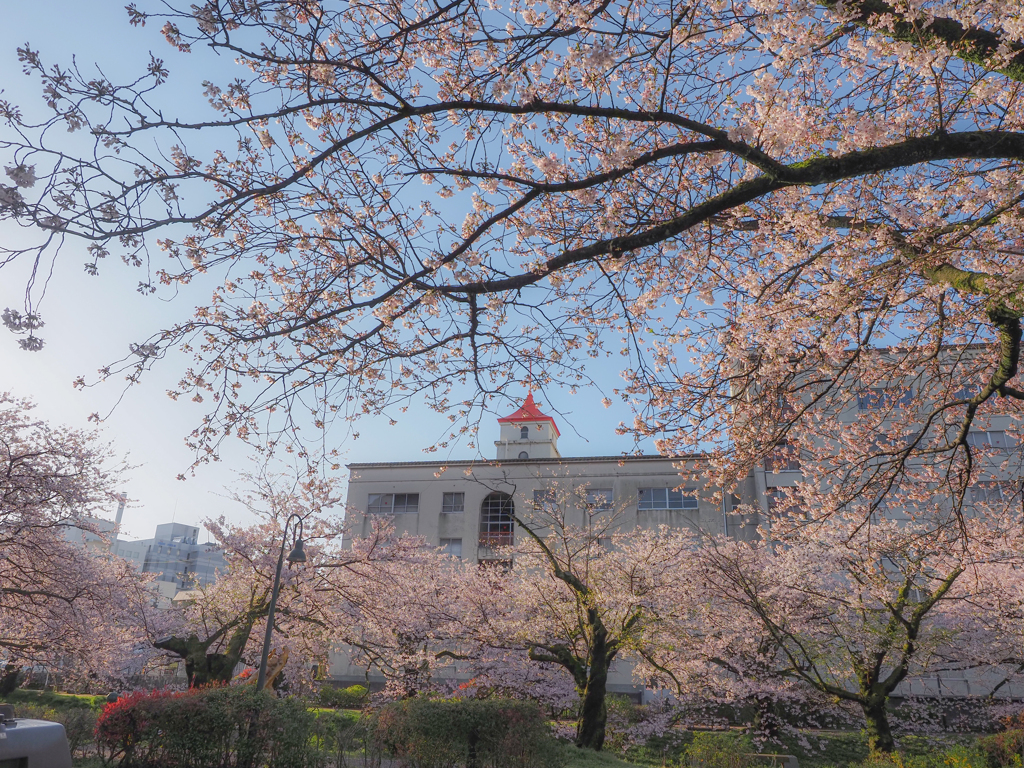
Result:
pixel 599 500
pixel 667 498
pixel 784 457
pixel 453 503
pixel 883 399
pixel 995 440
pixel 524 433
pixel 782 504
pixel 524 455
pixel 496 520
pixel 393 504
pixel 989 493
pixel 967 392
pixel 503 566
pixel 452 547
pixel 545 500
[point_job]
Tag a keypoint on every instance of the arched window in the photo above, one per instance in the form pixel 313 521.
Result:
pixel 524 433
pixel 524 455
pixel 496 520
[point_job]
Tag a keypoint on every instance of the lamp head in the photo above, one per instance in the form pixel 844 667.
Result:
pixel 298 554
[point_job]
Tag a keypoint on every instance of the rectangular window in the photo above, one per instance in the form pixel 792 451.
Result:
pixel 599 499
pixel 784 457
pixel 452 547
pixel 987 492
pixel 995 440
pixel 393 503
pixel 545 500
pixel 967 392
pixel 883 399
pixel 782 504
pixel 667 498
pixel 497 565
pixel 453 503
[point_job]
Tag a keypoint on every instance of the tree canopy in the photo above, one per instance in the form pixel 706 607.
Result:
pixel 405 200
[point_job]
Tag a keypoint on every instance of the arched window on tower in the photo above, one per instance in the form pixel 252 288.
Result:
pixel 497 526
pixel 524 433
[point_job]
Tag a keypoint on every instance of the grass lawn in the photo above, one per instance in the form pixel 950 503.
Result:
pixel 587 758
pixel 57 701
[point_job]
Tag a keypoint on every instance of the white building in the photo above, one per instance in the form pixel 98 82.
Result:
pixel 465 506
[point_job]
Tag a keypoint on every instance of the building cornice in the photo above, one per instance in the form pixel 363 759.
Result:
pixel 527 462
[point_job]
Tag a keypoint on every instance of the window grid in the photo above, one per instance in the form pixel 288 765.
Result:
pixel 545 500
pixel 496 523
pixel 452 547
pixel 996 439
pixel 781 503
pixel 393 503
pixel 784 458
pixel 453 503
pixel 599 499
pixel 667 498
pixel 877 399
pixel 988 492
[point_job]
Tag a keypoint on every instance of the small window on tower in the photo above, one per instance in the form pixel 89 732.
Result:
pixel 524 434
pixel 524 455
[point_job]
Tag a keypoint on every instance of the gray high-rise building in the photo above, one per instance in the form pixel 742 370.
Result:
pixel 174 555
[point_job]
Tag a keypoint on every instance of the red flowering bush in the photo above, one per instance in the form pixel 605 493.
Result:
pixel 204 728
pixel 126 724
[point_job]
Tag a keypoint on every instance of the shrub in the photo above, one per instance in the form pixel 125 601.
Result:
pixel 205 727
pixel 496 733
pixel 718 750
pixel 958 756
pixel 353 697
pixel 336 733
pixel 1003 749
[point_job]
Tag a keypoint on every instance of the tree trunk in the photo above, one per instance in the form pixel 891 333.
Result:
pixel 877 719
pixel 10 680
pixel 593 712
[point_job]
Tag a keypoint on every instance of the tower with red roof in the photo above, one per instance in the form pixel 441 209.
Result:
pixel 528 434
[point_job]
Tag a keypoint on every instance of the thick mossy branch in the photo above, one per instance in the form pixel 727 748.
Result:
pixel 977 46
pixel 1006 321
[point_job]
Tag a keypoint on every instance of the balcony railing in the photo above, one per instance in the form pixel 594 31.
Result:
pixel 496 539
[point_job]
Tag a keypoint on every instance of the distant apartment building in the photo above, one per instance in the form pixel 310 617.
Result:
pixel 174 555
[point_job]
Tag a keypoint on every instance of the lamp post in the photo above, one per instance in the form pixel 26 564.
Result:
pixel 297 555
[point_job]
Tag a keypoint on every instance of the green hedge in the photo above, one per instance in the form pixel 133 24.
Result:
pixel 205 728
pixel 475 733
pixel 353 697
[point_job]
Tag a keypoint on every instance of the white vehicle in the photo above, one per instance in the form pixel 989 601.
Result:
pixel 26 743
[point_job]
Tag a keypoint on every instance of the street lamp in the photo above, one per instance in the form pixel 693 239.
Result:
pixel 297 555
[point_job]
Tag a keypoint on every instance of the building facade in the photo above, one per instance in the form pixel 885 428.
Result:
pixel 465 507
pixel 174 555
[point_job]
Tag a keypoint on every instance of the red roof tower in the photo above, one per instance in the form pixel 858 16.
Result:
pixel 529 433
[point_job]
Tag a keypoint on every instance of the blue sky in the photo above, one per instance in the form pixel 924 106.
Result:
pixel 91 320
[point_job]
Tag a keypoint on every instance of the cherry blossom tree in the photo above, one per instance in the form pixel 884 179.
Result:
pixel 572 596
pixel 70 608
pixel 220 625
pixel 405 200
pixel 849 613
